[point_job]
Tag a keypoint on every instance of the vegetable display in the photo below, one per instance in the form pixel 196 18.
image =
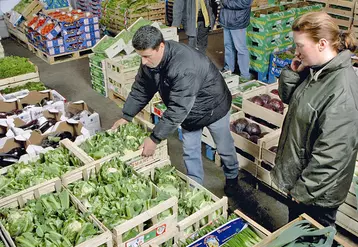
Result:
pixel 266 101
pixel 51 220
pixel 20 7
pixel 31 86
pixel 245 238
pixel 2 244
pixel 116 195
pixel 12 66
pixel 190 199
pixel 126 138
pixel 51 164
pixel 250 131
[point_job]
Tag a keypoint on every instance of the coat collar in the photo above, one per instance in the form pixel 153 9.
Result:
pixel 342 60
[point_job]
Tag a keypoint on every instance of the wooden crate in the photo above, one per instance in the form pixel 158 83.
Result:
pixel 167 240
pixel 244 163
pixel 118 99
pixel 139 221
pixel 340 7
pixel 60 58
pixel 17 33
pixel 2 236
pixel 40 188
pixel 20 79
pixel 55 186
pixel 135 158
pixel 32 9
pixel 257 228
pixel 266 154
pixel 343 22
pixel 260 111
pixel 194 219
pixel 347 215
pixel 323 2
pixel 247 145
pixel 313 222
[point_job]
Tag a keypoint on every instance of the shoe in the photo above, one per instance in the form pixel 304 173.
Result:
pixel 231 187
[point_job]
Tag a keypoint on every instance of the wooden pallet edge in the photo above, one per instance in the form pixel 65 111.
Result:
pixel 51 59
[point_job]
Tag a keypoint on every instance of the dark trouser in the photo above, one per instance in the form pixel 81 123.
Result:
pixel 200 41
pixel 325 216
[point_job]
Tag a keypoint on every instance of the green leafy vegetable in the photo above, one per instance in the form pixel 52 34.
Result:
pixel 116 195
pixel 127 137
pixel 13 66
pixel 50 220
pixel 31 86
pixel 52 164
pixel 190 199
pixel 20 7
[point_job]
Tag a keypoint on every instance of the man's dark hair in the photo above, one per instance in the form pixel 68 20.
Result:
pixel 147 37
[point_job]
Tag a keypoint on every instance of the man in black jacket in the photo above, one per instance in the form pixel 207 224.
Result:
pixel 195 94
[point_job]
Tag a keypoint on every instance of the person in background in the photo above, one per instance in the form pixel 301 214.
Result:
pixel 318 145
pixel 195 94
pixel 197 16
pixel 234 17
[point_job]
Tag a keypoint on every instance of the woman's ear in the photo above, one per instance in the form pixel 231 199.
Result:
pixel 322 44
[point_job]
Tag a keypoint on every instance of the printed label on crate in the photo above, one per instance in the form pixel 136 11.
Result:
pixel 147 237
pixel 221 234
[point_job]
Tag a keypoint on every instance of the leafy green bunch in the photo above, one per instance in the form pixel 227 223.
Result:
pixel 126 138
pixel 51 164
pixel 50 220
pixel 13 66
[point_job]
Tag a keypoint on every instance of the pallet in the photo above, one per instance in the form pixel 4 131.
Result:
pixel 60 58
pixel 138 221
pixel 20 79
pixel 55 186
pixel 204 213
pixel 18 33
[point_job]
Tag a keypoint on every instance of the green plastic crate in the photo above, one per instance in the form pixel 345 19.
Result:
pixel 269 41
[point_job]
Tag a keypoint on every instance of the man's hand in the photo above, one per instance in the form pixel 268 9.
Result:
pixel 148 147
pixel 296 65
pixel 118 123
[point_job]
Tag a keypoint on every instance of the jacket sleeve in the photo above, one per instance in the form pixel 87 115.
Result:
pixel 330 155
pixel 178 11
pixel 236 4
pixel 181 99
pixel 287 84
pixel 141 93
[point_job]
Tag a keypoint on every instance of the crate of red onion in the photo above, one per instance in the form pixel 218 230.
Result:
pixel 265 103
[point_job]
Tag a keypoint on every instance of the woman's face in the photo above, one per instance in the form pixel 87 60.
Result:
pixel 306 49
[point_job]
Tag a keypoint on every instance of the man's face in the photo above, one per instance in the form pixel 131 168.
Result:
pixel 152 57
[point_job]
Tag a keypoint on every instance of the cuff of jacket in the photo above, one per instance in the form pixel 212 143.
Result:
pixel 127 117
pixel 155 139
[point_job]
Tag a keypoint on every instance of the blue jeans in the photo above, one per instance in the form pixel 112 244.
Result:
pixel 235 43
pixel 220 131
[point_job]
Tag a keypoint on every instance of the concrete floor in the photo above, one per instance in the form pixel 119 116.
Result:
pixel 72 80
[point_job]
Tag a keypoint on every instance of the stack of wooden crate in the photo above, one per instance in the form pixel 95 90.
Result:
pixel 341 10
pixel 118 19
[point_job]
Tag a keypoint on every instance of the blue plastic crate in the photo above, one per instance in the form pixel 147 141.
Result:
pixel 281 62
pixel 55 4
pixel 55 50
pixel 210 152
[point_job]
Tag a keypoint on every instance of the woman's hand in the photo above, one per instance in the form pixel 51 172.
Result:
pixel 297 65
